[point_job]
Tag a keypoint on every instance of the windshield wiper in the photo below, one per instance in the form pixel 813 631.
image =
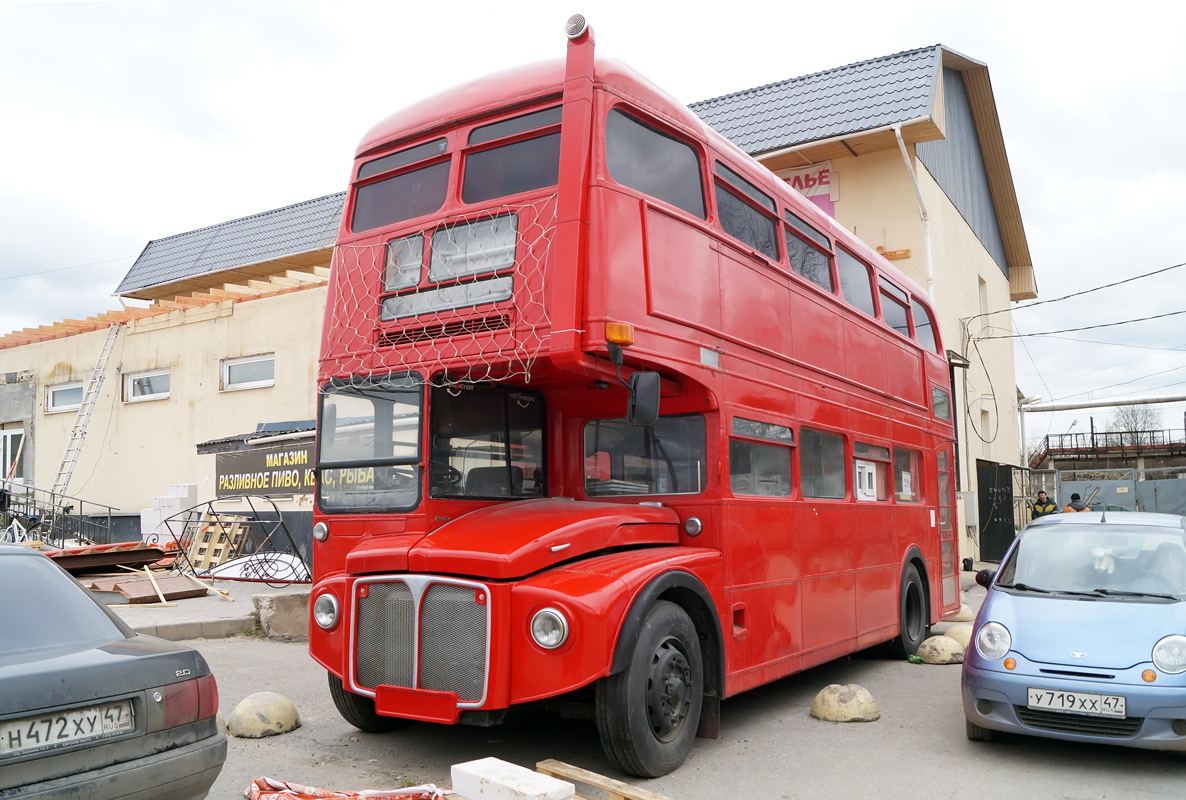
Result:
pixel 1023 587
pixel 1122 593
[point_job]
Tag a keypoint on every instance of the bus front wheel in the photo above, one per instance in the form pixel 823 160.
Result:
pixel 913 616
pixel 648 713
pixel 359 711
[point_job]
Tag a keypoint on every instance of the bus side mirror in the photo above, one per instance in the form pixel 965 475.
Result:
pixel 643 404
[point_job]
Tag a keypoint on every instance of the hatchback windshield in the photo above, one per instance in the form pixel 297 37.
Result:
pixel 1099 559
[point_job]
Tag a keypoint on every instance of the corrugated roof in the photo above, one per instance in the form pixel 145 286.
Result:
pixel 300 228
pixel 858 97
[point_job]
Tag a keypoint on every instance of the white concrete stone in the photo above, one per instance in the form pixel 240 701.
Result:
pixel 941 650
pixel 494 779
pixel 961 632
pixel 263 714
pixel 845 703
pixel 963 615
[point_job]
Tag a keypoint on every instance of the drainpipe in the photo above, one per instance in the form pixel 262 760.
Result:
pixel 926 221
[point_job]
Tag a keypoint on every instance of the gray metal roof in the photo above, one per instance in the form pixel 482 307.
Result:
pixel 858 97
pixel 301 228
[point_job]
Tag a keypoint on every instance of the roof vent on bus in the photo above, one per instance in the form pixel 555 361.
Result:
pixel 575 26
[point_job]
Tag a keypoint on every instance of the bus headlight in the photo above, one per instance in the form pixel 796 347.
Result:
pixel 993 640
pixel 325 611
pixel 1169 655
pixel 549 628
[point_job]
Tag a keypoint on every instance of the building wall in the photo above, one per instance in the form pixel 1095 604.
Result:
pixel 133 451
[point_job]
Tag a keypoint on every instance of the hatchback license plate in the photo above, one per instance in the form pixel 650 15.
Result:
pixel 64 727
pixel 1095 705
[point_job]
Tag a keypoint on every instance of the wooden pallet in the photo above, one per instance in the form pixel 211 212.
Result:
pixel 604 788
pixel 217 538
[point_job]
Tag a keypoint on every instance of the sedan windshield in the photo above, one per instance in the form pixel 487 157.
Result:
pixel 1099 560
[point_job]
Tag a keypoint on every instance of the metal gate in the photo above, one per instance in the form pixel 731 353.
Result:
pixel 1160 490
pixel 994 483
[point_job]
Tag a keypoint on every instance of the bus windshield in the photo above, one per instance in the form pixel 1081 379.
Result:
pixel 369 446
pixel 487 442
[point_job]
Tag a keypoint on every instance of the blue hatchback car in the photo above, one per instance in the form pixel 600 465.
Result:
pixel 1082 635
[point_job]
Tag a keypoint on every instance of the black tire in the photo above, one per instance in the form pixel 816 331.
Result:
pixel 359 710
pixel 648 713
pixel 913 614
pixel 978 734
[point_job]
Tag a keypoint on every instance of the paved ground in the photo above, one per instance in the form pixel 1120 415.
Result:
pixel 211 617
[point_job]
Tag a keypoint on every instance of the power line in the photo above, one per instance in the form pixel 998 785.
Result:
pixel 1086 327
pixel 1076 294
pixel 1175 349
pixel 63 269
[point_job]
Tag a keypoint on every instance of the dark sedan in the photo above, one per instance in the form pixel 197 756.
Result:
pixel 89 708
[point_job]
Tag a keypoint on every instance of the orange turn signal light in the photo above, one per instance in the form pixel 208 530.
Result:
pixel 1010 663
pixel 619 333
pixel 1148 676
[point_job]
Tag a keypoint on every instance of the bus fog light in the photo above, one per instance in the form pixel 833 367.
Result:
pixel 693 526
pixel 325 611
pixel 549 628
pixel 321 531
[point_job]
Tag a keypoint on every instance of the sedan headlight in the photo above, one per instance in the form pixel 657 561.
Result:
pixel 993 640
pixel 325 611
pixel 1169 655
pixel 549 628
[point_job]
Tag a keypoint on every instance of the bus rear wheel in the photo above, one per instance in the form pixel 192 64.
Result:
pixel 648 713
pixel 359 711
pixel 913 615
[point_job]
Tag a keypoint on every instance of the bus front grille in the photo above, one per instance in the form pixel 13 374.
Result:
pixel 452 637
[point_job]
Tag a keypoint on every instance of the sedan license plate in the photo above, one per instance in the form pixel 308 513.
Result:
pixel 65 727
pixel 1095 705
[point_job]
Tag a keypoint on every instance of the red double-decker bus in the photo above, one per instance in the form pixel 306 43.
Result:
pixel 609 414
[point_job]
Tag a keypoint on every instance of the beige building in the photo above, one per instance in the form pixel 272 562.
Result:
pixel 216 380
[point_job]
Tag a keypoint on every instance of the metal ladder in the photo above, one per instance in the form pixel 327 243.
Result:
pixel 90 393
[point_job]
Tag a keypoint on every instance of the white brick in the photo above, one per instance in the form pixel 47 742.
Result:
pixel 494 779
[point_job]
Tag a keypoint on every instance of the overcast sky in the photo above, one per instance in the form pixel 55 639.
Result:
pixel 125 122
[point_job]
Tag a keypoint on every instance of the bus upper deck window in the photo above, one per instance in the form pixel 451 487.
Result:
pixel 741 219
pixel 519 166
pixel 893 307
pixel 924 328
pixel 644 158
pixel 854 282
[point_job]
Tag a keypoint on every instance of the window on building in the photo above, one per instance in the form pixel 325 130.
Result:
pixel 252 372
pixel 746 219
pixel 12 454
pixel 870 471
pixel 855 284
pixel 760 469
pixel 142 386
pixel 821 464
pixel 63 397
pixel 907 480
pixel 644 158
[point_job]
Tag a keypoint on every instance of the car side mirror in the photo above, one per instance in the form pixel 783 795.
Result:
pixel 984 577
pixel 643 403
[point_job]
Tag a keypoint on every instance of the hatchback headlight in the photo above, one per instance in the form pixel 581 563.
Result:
pixel 993 640
pixel 325 611
pixel 1169 655
pixel 549 628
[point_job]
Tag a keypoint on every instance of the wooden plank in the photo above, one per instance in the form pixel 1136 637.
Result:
pixel 150 590
pixel 614 789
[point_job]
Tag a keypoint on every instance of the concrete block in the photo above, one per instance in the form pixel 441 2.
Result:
pixel 847 702
pixel 283 616
pixel 494 779
pixel 941 650
pixel 263 714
